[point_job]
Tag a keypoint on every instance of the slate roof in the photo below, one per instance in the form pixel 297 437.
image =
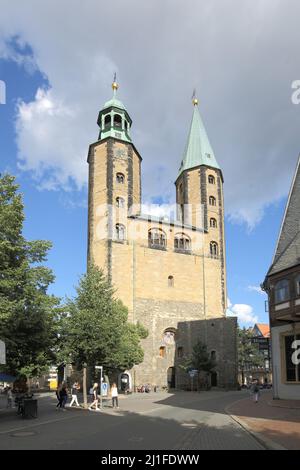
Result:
pixel 287 252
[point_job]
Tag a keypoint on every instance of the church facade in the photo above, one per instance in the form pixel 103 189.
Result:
pixel 170 273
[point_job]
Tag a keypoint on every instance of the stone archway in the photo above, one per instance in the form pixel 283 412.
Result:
pixel 214 379
pixel 171 374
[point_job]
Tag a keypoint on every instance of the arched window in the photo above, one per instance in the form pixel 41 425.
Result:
pixel 180 351
pixel 157 238
pixel 214 249
pixel 117 120
pixel 212 201
pixel 171 281
pixel 162 351
pixel 120 178
pixel 182 242
pixel 213 223
pixel 211 179
pixel 120 232
pixel 282 291
pixel 120 202
pixel 297 285
pixel 107 121
pixel 169 336
pixel 213 355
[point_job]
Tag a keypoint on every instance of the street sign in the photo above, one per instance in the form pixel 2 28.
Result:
pixel 104 389
pixel 193 372
pixel 2 353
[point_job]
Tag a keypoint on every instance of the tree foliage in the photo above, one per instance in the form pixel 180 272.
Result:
pixel 27 312
pixel 248 352
pixel 94 327
pixel 200 359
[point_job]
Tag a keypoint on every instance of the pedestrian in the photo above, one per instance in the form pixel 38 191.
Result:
pixel 114 396
pixel 9 398
pixel 63 396
pixel 74 392
pixel 95 397
pixel 57 393
pixel 255 391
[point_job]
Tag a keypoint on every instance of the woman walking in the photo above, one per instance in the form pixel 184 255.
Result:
pixel 57 393
pixel 255 391
pixel 114 396
pixel 95 397
pixel 74 393
pixel 63 397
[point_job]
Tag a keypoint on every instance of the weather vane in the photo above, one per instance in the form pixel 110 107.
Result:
pixel 114 85
pixel 194 99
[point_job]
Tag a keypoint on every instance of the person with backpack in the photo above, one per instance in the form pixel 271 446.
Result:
pixel 95 397
pixel 255 391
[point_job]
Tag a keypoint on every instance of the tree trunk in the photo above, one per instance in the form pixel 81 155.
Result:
pixel 85 404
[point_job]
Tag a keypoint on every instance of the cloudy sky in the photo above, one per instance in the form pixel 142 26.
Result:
pixel 58 60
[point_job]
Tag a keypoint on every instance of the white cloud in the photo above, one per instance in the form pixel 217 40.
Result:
pixel 256 289
pixel 243 312
pixel 231 51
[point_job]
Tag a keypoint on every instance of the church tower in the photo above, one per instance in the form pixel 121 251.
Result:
pixel 199 193
pixel 170 273
pixel 114 182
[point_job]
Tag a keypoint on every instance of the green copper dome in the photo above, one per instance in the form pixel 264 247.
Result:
pixel 198 150
pixel 113 119
pixel 115 103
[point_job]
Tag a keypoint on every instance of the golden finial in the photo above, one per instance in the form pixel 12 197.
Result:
pixel 194 99
pixel 115 85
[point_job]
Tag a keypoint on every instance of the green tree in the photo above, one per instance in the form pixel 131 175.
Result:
pixel 248 352
pixel 201 359
pixel 94 328
pixel 27 312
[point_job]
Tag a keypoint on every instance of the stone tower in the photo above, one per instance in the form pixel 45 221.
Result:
pixel 169 273
pixel 199 193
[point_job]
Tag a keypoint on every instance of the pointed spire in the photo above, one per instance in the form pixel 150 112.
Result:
pixel 198 150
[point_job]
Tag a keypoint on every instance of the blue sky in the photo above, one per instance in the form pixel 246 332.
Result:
pixel 56 84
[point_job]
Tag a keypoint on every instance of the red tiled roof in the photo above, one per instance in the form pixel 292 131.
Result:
pixel 264 328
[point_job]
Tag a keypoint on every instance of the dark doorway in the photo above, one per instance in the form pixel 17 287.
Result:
pixel 171 377
pixel 124 382
pixel 214 379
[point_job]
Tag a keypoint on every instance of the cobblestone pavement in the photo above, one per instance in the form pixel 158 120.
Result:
pixel 155 421
pixel 276 422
